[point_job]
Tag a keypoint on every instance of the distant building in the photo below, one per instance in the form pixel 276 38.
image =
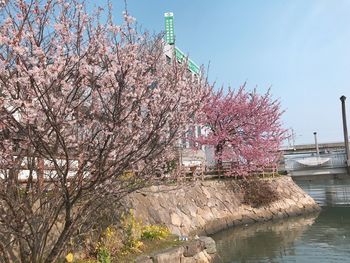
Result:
pixel 171 50
pixel 205 154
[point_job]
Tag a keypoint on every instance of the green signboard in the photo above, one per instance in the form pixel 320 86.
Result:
pixel 181 57
pixel 170 39
pixel 169 28
pixel 193 67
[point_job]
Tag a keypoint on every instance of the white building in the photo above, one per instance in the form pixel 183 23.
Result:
pixel 188 155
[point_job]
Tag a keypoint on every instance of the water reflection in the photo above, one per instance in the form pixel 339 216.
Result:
pixel 327 190
pixel 323 237
pixel 262 242
pixel 314 238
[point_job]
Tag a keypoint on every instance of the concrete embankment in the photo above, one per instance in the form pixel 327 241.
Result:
pixel 206 207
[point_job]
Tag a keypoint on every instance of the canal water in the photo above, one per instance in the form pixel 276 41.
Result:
pixel 320 237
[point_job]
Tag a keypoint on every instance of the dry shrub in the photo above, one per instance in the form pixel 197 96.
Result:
pixel 258 192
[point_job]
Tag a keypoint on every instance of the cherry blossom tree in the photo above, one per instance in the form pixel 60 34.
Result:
pixel 244 128
pixel 88 110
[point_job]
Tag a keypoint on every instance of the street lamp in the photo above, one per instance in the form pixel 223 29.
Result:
pixel 345 129
pixel 316 144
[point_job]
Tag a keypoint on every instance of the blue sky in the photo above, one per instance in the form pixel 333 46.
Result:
pixel 301 48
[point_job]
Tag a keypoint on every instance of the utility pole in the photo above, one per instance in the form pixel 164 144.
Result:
pixel 316 145
pixel 345 129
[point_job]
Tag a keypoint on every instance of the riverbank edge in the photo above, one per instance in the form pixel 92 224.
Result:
pixel 207 207
pixel 199 250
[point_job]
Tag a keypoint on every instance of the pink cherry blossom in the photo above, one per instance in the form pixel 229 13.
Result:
pixel 244 128
pixel 82 102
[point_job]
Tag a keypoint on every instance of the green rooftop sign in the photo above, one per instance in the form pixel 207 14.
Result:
pixel 181 57
pixel 169 28
pixel 193 67
pixel 170 39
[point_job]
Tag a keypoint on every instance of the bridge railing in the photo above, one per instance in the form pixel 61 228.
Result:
pixel 299 162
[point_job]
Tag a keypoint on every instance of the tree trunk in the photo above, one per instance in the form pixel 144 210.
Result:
pixel 218 154
pixel 56 250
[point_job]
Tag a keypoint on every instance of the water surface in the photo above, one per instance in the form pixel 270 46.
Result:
pixel 320 237
pixel 327 190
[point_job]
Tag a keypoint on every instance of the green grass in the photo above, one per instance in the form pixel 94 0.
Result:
pixel 149 247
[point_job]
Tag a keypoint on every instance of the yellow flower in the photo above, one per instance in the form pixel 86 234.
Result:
pixel 69 257
pixel 109 232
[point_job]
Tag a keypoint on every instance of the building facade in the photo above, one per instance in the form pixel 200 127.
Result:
pixel 189 152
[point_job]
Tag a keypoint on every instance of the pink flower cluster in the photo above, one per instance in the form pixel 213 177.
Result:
pixel 70 84
pixel 244 128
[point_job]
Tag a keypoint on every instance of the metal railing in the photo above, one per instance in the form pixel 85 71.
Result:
pixel 295 162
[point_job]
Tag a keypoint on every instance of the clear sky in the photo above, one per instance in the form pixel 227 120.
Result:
pixel 301 48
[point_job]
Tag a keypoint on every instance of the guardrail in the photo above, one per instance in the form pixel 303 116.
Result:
pixel 294 163
pixel 43 170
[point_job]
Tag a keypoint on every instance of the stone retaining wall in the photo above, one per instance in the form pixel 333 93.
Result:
pixel 207 207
